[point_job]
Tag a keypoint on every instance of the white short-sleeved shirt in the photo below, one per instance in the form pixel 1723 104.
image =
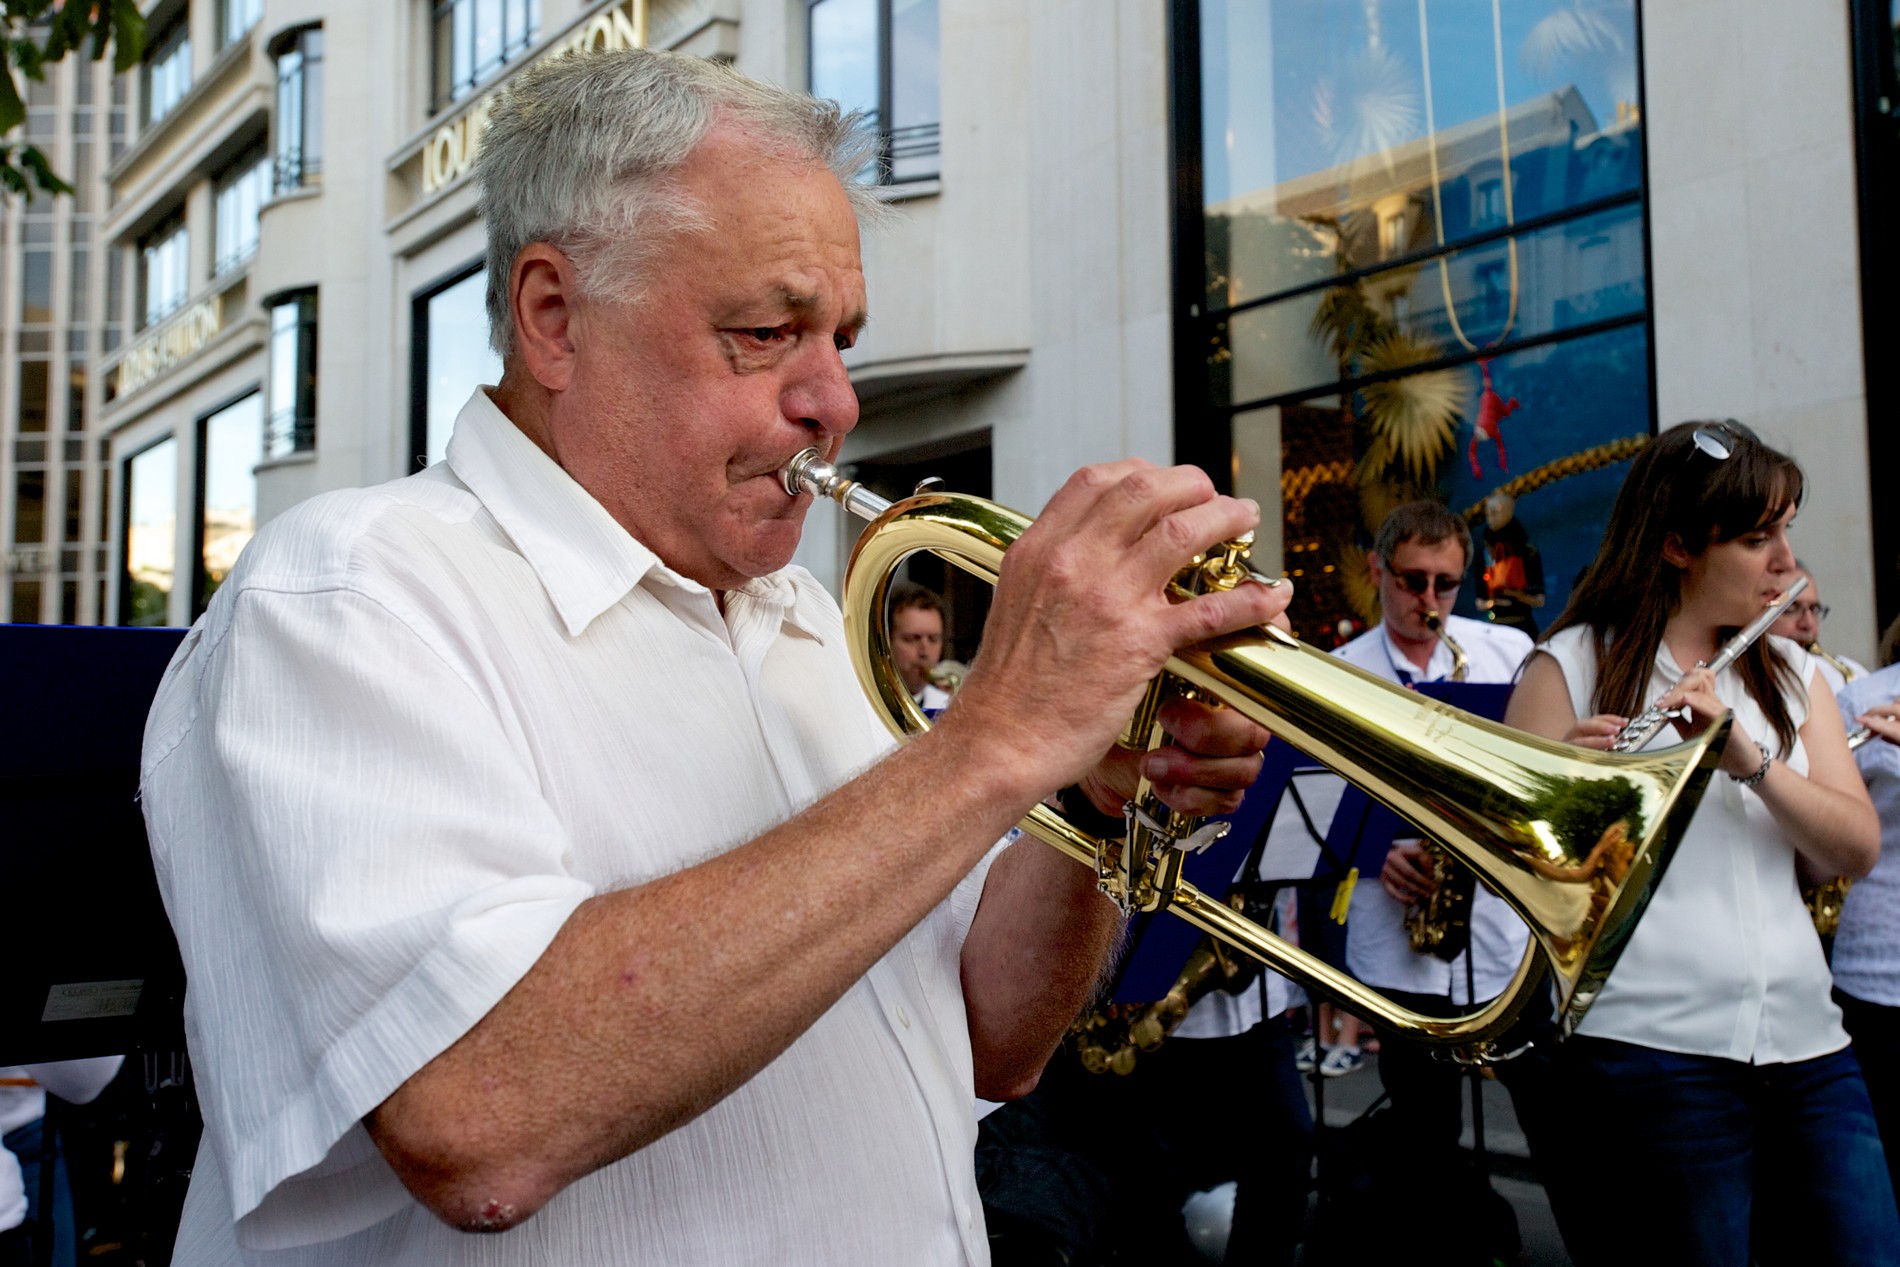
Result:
pixel 1378 951
pixel 418 726
pixel 1867 947
pixel 1725 962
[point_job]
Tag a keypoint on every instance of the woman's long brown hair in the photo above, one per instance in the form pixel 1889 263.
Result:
pixel 1629 592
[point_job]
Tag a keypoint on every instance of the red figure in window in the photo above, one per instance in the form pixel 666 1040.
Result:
pixel 1493 409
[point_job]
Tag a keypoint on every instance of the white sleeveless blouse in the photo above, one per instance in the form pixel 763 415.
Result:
pixel 1725 961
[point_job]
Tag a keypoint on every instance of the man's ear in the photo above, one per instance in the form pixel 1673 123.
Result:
pixel 542 290
pixel 1375 566
pixel 1674 553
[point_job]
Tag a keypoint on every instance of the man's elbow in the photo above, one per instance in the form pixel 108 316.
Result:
pixel 467 1186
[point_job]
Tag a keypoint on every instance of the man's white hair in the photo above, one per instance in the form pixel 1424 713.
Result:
pixel 580 152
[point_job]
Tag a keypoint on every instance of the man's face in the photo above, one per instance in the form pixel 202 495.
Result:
pixel 1409 585
pixel 683 405
pixel 917 644
pixel 1802 621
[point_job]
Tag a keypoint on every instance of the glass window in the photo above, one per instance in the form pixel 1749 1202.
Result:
pixel 236 18
pixel 299 137
pixel 241 191
pixel 26 602
pixel 164 275
pixel 476 38
pixel 75 479
pixel 29 507
pixel 166 72
pixel 1418 220
pixel 76 401
pixel 292 424
pixel 231 444
pixel 35 385
pixel 151 534
pixel 457 356
pixel 36 286
pixel 880 56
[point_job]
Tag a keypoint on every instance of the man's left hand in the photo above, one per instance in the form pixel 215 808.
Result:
pixel 1214 759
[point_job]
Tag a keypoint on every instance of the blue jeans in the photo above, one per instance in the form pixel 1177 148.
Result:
pixel 1694 1160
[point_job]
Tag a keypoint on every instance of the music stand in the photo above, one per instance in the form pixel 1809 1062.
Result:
pixel 92 968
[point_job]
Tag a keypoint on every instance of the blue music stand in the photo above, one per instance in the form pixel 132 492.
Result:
pixel 92 966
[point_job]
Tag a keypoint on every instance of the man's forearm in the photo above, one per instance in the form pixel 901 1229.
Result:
pixel 1034 957
pixel 647 1009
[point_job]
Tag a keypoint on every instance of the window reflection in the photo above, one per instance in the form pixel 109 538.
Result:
pixel 231 443
pixel 1424 270
pixel 881 57
pixel 458 356
pixel 151 534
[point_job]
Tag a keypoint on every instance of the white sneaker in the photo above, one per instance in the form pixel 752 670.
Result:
pixel 1307 1058
pixel 1341 1061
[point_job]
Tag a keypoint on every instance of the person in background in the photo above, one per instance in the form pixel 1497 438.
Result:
pixel 917 644
pixel 1801 624
pixel 1419 562
pixel 1713 1063
pixel 34 1202
pixel 1866 959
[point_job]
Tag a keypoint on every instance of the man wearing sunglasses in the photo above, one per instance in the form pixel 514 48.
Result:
pixel 1419 562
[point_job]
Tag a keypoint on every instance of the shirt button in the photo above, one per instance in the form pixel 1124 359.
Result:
pixel 903 1017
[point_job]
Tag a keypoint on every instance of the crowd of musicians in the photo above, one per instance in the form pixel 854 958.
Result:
pixel 550 893
pixel 1711 1097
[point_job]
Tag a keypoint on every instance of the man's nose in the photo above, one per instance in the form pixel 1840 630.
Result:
pixel 821 395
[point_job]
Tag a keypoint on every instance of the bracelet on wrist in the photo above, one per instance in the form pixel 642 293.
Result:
pixel 1761 771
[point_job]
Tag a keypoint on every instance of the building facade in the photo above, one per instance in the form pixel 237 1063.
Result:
pixel 1318 249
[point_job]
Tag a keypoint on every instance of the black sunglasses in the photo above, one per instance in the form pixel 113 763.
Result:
pixel 1416 583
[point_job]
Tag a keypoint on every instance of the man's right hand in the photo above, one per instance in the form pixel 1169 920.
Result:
pixel 1407 874
pixel 1083 619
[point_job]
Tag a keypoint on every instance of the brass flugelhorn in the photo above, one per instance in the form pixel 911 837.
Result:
pixel 1575 840
pixel 1441 924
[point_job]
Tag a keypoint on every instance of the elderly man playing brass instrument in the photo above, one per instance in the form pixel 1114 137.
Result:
pixel 539 867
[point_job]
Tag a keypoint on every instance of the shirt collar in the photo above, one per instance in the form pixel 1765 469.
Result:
pixel 583 557
pixel 1402 664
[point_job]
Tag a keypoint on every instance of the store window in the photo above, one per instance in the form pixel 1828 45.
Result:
pixel 298 147
pixel 29 506
pixel 164 272
pixel 880 56
pixel 241 191
pixel 165 74
pixel 230 447
pixel 236 18
pixel 151 534
pixel 35 394
pixel 474 39
pixel 452 359
pixel 1417 221
pixel 291 425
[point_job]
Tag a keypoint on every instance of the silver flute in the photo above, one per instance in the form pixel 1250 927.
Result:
pixel 1640 730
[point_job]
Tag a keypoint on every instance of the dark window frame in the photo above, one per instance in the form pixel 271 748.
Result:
pixel 419 355
pixel 297 428
pixel 199 599
pixel 517 37
pixel 919 141
pixel 171 40
pixel 298 55
pixel 124 614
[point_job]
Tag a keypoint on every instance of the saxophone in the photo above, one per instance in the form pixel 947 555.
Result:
pixel 1441 924
pixel 1847 671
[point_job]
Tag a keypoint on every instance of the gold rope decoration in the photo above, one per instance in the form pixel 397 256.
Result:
pixel 1590 459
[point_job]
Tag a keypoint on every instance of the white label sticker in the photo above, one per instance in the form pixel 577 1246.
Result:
pixel 88 1000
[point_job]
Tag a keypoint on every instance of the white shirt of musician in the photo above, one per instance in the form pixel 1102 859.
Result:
pixel 418 726
pixel 1725 962
pixel 1378 951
